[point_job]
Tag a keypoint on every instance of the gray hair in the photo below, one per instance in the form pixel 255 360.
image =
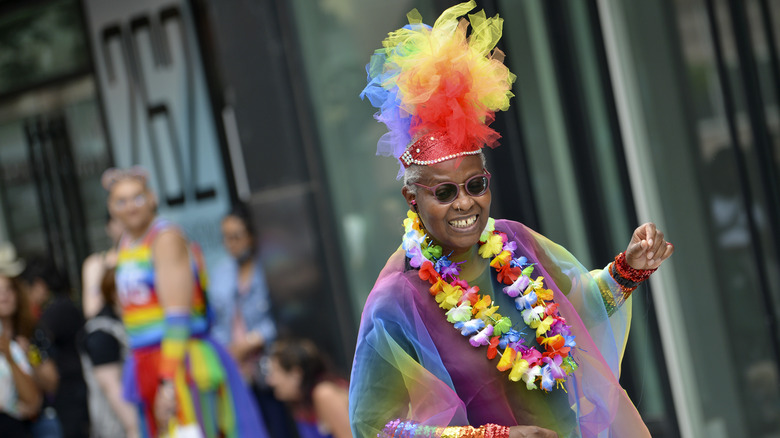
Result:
pixel 413 173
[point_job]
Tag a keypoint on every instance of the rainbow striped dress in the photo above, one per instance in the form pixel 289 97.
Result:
pixel 210 394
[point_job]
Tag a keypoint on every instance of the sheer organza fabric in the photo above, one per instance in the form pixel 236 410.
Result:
pixel 411 364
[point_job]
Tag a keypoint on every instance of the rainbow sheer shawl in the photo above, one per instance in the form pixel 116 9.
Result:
pixel 411 364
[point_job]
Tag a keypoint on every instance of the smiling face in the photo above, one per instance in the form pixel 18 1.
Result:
pixel 455 226
pixel 131 202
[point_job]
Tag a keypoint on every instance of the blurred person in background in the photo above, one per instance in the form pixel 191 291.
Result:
pixel 105 347
pixel 54 341
pixel 179 378
pixel 242 312
pixel 19 395
pixel 94 268
pixel 300 377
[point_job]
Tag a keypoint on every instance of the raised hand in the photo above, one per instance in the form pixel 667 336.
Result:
pixel 648 249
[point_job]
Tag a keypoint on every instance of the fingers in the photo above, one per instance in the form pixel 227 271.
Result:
pixel 667 252
pixel 655 244
pixel 641 242
pixel 650 234
pixel 165 404
pixel 663 251
pixel 648 247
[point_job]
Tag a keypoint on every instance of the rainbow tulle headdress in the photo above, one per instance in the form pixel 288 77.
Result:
pixel 437 89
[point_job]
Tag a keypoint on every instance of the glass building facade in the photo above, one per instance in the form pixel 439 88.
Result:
pixel 625 112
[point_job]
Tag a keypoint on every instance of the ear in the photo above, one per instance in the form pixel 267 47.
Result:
pixel 410 198
pixel 297 373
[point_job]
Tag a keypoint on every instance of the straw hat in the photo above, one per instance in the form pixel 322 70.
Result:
pixel 10 264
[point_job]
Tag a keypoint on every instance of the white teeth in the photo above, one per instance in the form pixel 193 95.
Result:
pixel 463 223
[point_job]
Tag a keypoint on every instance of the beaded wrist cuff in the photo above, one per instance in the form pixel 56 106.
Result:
pixel 627 277
pixel 627 272
pixel 623 282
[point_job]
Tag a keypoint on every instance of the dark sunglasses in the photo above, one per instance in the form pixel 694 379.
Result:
pixel 447 192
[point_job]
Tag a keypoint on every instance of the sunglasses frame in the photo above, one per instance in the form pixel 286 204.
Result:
pixel 123 204
pixel 432 189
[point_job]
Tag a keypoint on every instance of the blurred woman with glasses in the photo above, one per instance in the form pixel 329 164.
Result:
pixel 242 312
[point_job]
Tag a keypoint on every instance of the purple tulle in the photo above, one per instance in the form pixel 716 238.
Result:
pixel 412 364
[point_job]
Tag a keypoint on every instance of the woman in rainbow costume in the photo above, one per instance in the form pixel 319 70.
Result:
pixel 479 327
pixel 183 383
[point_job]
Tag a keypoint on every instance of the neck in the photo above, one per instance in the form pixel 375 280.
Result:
pixel 140 231
pixel 245 269
pixel 246 265
pixel 5 322
pixel 474 265
pixel 467 254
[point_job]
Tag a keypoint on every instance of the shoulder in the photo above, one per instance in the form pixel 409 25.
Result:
pixel 394 286
pixel 393 303
pixel 326 393
pixel 162 227
pixel 327 390
pixel 169 242
pixel 511 227
pixel 527 237
pixel 93 261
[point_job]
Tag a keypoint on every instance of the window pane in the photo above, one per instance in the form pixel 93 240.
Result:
pixel 337 40
pixel 41 43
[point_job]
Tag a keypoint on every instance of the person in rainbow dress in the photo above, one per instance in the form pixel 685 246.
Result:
pixel 182 382
pixel 479 327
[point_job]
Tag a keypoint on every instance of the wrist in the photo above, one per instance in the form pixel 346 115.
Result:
pixel 174 343
pixel 495 431
pixel 627 272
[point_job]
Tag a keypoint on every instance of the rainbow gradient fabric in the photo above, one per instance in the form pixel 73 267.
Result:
pixel 142 314
pixel 210 394
pixel 411 364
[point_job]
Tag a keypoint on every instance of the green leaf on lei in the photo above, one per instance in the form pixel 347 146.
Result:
pixel 569 365
pixel 432 252
pixel 489 228
pixel 502 326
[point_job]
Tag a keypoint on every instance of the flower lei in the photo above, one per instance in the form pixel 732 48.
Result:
pixel 476 316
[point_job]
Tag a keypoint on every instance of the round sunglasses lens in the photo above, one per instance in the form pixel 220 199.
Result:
pixel 446 192
pixel 477 185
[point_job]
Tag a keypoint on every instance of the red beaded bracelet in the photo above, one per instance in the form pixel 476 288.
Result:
pixel 629 273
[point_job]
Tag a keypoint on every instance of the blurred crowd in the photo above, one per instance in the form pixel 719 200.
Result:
pixel 64 349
